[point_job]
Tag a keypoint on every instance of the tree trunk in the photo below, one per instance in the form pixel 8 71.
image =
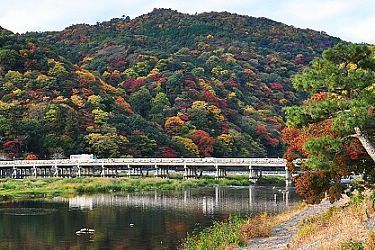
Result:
pixel 365 142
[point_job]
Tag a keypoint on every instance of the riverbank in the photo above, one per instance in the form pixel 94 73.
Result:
pixel 346 224
pixel 236 232
pixel 50 187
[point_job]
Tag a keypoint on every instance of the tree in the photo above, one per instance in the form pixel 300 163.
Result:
pixel 334 127
pixel 173 124
pixel 141 145
pixel 106 145
pixel 140 101
pixel 158 104
pixel 9 59
pixel 204 142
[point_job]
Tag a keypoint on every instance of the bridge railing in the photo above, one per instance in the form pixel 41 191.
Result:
pixel 151 161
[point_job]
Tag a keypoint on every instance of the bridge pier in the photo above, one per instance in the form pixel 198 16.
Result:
pixel 162 172
pixel 136 171
pixel 190 173
pixel 220 172
pixel 254 174
pixel 288 177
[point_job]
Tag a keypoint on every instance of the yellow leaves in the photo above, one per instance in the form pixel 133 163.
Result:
pixel 202 83
pixel 24 52
pixel 107 144
pixel 272 58
pixel 17 92
pixel 77 100
pixel 100 116
pixel 153 72
pixel 231 95
pixel 42 78
pixel 211 109
pixel 201 105
pixel 173 124
pixel 85 77
pixel 226 138
pixel 87 59
pixel 58 70
pixel 216 112
pixel 94 100
pixel 209 36
pixel 218 84
pixel 60 99
pixel 108 87
pixel 248 109
pixel 4 106
pixel 188 144
pixel 348 66
pixel 229 58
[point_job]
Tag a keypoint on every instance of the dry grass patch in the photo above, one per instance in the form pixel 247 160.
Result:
pixel 338 228
pixel 261 225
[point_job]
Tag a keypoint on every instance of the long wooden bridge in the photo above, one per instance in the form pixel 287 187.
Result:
pixel 160 167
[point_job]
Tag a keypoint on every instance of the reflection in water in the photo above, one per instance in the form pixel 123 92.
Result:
pixel 152 220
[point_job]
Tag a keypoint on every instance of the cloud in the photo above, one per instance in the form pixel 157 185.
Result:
pixel 342 18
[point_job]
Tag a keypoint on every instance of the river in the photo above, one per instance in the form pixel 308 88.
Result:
pixel 147 220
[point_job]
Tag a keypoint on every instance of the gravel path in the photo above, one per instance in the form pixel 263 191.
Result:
pixel 282 234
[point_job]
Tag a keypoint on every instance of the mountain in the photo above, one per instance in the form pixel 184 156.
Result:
pixel 162 84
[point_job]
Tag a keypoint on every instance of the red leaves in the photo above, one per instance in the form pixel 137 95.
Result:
pixel 312 186
pixel 354 149
pixel 276 86
pixel 260 129
pixel 11 146
pixel 168 152
pixel 204 142
pixel 296 138
pixel 133 84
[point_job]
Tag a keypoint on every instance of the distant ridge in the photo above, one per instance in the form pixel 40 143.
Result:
pixel 162 84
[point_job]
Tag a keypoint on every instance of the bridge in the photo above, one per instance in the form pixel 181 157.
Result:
pixel 160 167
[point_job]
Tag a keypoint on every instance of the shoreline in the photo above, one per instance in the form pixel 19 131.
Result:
pixel 52 187
pixel 345 224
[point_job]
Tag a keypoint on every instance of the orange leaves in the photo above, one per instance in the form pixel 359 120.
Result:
pixel 321 96
pixel 173 124
pixel 31 157
pixel 124 105
pixel 296 138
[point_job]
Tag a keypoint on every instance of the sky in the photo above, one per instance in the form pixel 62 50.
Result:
pixel 350 20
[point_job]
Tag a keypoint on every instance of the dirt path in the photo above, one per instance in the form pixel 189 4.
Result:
pixel 282 234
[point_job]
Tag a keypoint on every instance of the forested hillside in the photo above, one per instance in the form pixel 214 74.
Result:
pixel 164 84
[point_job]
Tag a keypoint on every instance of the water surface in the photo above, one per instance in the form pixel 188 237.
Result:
pixel 148 220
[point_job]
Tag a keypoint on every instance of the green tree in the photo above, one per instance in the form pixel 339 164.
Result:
pixel 158 104
pixel 334 127
pixel 9 59
pixel 140 101
pixel 107 144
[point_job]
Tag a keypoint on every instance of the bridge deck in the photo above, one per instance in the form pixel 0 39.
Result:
pixel 116 167
pixel 261 162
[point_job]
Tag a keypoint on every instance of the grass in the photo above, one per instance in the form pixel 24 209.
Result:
pixel 276 180
pixel 49 187
pixel 338 228
pixel 236 232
